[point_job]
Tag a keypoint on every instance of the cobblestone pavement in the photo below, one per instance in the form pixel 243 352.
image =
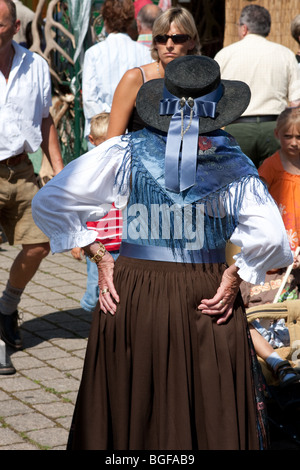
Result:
pixel 37 403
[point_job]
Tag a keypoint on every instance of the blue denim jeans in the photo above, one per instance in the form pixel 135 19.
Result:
pixel 91 295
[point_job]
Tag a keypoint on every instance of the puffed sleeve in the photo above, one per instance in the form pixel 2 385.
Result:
pixel 83 191
pixel 261 235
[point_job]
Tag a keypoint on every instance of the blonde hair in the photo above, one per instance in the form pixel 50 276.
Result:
pixel 184 21
pixel 99 125
pixel 288 117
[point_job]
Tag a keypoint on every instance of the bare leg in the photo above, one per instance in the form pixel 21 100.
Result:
pixel 261 345
pixel 281 368
pixel 22 271
pixel 27 263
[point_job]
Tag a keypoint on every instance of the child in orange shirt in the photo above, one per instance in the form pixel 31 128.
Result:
pixel 281 173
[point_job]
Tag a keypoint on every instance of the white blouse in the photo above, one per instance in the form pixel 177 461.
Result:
pixel 85 189
pixel 104 65
pixel 25 101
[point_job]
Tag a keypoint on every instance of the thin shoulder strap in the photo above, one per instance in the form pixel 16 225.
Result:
pixel 143 73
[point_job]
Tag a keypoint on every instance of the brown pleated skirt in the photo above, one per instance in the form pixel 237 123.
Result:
pixel 160 375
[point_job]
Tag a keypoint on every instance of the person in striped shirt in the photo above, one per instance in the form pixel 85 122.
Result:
pixel 109 228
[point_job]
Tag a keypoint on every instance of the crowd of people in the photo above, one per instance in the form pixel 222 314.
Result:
pixel 187 155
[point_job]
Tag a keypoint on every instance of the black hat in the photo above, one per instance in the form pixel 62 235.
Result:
pixel 193 77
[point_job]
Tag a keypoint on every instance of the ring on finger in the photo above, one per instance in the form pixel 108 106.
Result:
pixel 104 291
pixel 221 302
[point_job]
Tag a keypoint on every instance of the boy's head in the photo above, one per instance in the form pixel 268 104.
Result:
pixel 99 126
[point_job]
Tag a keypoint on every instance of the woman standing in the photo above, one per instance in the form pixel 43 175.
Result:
pixel 169 363
pixel 174 35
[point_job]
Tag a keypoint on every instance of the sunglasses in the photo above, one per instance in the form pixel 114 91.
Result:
pixel 176 38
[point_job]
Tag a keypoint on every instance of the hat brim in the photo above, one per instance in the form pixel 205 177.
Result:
pixel 235 100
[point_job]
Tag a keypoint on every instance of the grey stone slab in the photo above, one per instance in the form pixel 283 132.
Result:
pixel 20 446
pixel 80 353
pixel 52 437
pixel 68 289
pixel 47 354
pixel 38 310
pixel 65 422
pixel 39 396
pixel 62 386
pixel 64 304
pixel 49 282
pixel 76 374
pixel 13 407
pixel 71 344
pixel 42 373
pixel 29 422
pixel 67 364
pixel 26 363
pixel 33 288
pixel 55 410
pixel 28 302
pixel 49 295
pixel 3 396
pixel 70 396
pixel 8 437
pixel 17 383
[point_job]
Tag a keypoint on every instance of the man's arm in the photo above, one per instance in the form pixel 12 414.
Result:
pixel 50 144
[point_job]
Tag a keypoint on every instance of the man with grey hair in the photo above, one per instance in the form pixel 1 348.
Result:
pixel 272 73
pixel 144 21
pixel 295 32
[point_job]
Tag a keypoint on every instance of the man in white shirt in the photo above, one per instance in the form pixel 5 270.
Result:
pixel 25 125
pixel 272 74
pixel 106 62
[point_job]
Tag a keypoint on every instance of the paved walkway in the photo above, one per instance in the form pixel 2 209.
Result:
pixel 37 403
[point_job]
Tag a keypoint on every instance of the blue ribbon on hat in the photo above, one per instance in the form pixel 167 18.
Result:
pixel 184 128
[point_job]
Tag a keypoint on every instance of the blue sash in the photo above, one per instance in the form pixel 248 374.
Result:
pixel 161 253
